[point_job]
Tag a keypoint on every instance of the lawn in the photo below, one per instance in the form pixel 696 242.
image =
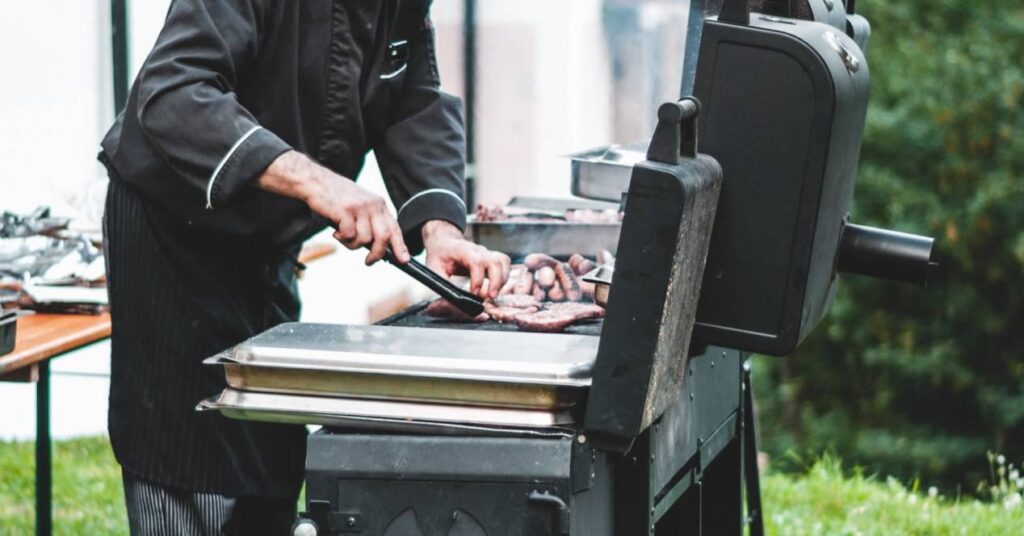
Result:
pixel 824 500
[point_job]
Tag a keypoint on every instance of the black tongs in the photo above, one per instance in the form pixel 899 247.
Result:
pixel 462 300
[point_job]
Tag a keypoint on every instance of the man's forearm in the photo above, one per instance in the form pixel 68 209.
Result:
pixel 436 228
pixel 295 175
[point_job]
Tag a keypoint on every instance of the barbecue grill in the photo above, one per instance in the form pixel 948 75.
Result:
pixel 640 423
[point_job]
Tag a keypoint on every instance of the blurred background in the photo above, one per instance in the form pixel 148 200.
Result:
pixel 919 384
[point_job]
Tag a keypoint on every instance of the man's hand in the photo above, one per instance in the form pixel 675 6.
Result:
pixel 359 217
pixel 449 253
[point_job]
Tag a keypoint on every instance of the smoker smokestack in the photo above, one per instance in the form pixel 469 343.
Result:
pixel 885 254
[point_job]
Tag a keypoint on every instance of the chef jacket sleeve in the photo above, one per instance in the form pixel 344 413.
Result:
pixel 187 106
pixel 422 154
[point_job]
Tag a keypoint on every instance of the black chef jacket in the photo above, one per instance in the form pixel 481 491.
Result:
pixel 198 258
pixel 232 84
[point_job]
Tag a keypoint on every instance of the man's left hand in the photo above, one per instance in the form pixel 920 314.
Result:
pixel 449 253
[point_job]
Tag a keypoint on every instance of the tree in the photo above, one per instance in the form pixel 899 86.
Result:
pixel 922 382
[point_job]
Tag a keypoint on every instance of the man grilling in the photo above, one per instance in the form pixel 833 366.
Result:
pixel 238 142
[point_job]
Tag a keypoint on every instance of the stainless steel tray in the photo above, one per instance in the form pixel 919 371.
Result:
pixel 557 238
pixel 489 368
pixel 383 415
pixel 604 173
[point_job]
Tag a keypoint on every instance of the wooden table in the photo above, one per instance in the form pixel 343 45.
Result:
pixel 42 337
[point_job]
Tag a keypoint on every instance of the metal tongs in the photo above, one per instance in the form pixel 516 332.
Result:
pixel 461 299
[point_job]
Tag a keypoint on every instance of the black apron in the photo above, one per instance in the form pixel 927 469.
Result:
pixel 179 294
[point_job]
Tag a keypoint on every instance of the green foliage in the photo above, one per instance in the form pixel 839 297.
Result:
pixel 922 382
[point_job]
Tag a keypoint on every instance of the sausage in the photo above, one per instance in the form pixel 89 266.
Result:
pixel 574 260
pixel 584 266
pixel 588 289
pixel 513 277
pixel 545 277
pixel 569 283
pixel 556 293
pixel 536 261
pixel 539 293
pixel 524 284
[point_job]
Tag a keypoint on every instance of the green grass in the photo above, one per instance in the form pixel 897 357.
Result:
pixel 825 500
pixel 87 494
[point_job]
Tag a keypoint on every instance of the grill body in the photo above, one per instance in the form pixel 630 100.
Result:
pixel 685 468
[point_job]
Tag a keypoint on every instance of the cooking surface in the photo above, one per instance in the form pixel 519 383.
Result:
pixel 494 355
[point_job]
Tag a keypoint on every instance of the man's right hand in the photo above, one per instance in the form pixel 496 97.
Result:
pixel 360 218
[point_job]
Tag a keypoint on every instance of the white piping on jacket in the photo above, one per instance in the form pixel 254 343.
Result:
pixel 432 191
pixel 220 166
pixel 393 74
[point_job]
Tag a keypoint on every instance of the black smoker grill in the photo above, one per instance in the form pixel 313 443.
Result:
pixel 642 423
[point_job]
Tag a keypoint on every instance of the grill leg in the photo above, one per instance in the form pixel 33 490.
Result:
pixel 750 474
pixel 44 518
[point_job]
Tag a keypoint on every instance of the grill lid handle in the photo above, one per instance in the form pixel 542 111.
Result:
pixel 676 134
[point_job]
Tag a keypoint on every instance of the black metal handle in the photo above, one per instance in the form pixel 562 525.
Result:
pixel 562 512
pixel 464 301
pixel 885 254
pixel 735 12
pixel 676 133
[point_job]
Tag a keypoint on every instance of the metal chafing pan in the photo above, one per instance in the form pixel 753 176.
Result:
pixel 386 415
pixel 604 173
pixel 483 368
pixel 557 238
pixel 521 237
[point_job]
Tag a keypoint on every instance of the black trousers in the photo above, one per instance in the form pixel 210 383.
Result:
pixel 156 510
